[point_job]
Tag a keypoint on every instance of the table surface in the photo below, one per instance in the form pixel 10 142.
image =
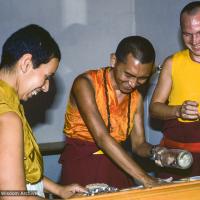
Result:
pixel 188 190
pixel 174 191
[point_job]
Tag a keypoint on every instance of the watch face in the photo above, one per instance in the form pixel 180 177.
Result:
pixel 185 160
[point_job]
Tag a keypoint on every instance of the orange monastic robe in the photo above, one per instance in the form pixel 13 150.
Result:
pixel 76 128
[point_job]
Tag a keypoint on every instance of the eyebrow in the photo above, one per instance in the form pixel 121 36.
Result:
pixel 184 32
pixel 129 74
pixel 135 76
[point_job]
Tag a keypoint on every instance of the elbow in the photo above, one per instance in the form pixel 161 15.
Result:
pixel 138 150
pixel 103 141
pixel 152 109
pixel 100 141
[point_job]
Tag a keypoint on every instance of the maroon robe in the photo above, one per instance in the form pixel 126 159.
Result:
pixel 80 165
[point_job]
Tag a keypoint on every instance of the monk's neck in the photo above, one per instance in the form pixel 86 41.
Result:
pixel 120 96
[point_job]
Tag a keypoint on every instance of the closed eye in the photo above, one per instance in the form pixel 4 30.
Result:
pixel 49 77
pixel 128 75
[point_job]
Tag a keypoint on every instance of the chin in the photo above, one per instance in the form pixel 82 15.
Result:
pixel 25 98
pixel 126 91
pixel 196 52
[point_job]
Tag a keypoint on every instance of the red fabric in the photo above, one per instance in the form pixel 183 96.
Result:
pixel 192 147
pixel 80 165
pixel 183 135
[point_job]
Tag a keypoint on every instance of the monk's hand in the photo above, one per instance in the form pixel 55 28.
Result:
pixel 152 182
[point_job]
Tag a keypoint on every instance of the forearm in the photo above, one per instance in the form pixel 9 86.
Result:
pixel 144 150
pixel 63 191
pixel 51 187
pixel 122 159
pixel 163 111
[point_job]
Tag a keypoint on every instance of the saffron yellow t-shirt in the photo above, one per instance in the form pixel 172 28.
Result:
pixel 33 164
pixel 185 79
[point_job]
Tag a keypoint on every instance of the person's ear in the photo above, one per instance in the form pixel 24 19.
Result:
pixel 112 59
pixel 25 62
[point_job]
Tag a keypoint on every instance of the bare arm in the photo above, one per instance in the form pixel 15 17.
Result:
pixel 62 190
pixel 12 175
pixel 138 140
pixel 84 97
pixel 11 152
pixel 158 106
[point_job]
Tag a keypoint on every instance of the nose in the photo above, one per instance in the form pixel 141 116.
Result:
pixel 45 87
pixel 194 39
pixel 132 82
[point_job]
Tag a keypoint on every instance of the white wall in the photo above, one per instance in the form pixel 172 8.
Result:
pixel 87 32
pixel 158 20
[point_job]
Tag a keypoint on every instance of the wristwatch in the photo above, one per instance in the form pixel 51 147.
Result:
pixel 153 151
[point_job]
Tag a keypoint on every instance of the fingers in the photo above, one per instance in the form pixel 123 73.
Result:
pixel 67 191
pixel 189 110
pixel 80 189
pixel 76 188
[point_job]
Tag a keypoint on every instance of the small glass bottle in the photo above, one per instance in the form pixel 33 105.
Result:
pixel 175 158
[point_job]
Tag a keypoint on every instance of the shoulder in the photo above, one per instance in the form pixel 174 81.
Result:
pixel 174 60
pixel 81 81
pixel 88 78
pixel 166 67
pixel 181 54
pixel 8 118
pixel 82 88
pixel 177 55
pixel 167 61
